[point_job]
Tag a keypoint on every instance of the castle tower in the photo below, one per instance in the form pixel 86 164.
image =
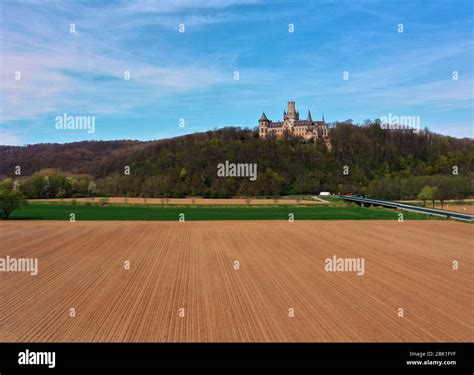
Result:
pixel 292 114
pixel 263 125
pixel 291 108
pixel 309 116
pixel 263 121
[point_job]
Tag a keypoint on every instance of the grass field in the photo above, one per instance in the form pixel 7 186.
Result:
pixel 93 211
pixel 191 266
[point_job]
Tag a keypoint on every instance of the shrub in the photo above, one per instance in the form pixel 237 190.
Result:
pixel 10 200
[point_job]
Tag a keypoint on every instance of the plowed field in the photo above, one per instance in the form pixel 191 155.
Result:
pixel 183 284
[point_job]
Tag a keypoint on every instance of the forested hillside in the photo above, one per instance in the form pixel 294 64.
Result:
pixel 364 159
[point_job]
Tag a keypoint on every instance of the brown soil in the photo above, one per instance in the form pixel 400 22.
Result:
pixel 188 200
pixel 191 265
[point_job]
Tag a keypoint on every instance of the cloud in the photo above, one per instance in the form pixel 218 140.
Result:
pixel 191 73
pixel 166 6
pixel 10 138
pixel 63 71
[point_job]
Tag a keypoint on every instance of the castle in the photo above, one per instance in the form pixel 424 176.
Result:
pixel 291 124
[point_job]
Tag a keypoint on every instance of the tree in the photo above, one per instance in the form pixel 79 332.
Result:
pixel 10 200
pixel 426 194
pixel 183 174
pixel 6 184
pixel 92 188
pixel 444 189
pixel 434 195
pixel 39 186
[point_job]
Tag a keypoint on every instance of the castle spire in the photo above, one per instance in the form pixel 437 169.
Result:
pixel 323 116
pixel 263 117
pixel 309 116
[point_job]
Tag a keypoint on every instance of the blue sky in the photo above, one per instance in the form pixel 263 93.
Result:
pixel 190 75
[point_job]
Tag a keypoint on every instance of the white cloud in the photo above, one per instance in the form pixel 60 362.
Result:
pixel 10 138
pixel 61 71
pixel 167 6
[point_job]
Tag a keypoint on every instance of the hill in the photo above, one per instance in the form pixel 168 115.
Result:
pixel 364 159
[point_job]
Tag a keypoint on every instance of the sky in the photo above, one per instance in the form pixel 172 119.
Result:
pixel 196 65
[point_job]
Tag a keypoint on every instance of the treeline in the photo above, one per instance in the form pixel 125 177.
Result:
pixel 77 157
pixel 50 183
pixel 364 160
pixel 446 187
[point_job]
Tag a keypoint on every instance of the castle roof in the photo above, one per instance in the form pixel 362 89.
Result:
pixel 309 116
pixel 263 117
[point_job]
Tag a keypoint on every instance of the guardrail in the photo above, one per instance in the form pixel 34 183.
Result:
pixel 408 207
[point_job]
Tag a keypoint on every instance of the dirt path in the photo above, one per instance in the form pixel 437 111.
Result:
pixel 188 200
pixel 469 209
